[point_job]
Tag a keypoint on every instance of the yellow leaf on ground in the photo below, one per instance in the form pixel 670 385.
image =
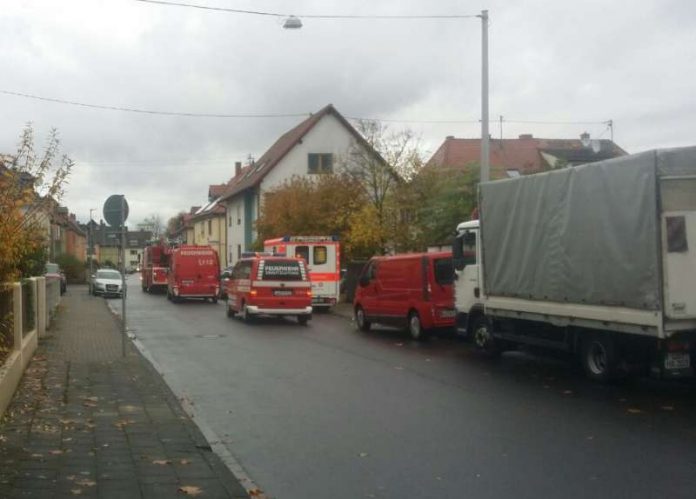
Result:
pixel 190 490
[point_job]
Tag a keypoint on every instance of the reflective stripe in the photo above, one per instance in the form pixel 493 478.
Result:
pixel 324 276
pixel 280 284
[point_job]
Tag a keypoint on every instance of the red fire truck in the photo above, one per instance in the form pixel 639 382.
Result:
pixel 153 271
pixel 194 273
pixel 323 257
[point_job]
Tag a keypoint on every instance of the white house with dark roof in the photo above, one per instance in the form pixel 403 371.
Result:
pixel 313 147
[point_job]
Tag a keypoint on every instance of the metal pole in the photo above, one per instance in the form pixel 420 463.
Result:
pixel 90 248
pixel 123 276
pixel 485 144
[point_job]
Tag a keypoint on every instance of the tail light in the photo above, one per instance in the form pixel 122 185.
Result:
pixel 309 293
pixel 677 346
pixel 253 292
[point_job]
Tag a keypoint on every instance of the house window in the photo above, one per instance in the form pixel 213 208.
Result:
pixel 319 163
pixel 239 251
pixel 239 215
pixel 229 220
pixel 210 227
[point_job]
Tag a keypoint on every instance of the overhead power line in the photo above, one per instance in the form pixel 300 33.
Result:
pixel 276 115
pixel 308 16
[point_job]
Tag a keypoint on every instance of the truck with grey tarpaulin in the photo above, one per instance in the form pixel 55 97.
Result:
pixel 598 260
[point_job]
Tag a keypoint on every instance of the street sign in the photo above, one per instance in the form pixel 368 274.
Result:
pixel 116 213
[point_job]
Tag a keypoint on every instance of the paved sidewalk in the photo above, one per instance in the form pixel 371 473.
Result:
pixel 87 422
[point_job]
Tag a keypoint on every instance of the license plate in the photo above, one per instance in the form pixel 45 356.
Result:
pixel 282 292
pixel 677 360
pixel 447 313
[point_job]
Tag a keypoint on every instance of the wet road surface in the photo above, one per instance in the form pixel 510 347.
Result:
pixel 325 411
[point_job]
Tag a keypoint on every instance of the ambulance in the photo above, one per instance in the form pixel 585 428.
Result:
pixel 322 255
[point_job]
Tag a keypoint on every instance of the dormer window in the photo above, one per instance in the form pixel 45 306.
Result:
pixel 319 163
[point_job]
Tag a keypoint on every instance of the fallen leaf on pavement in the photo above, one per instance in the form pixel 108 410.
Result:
pixel 3 438
pixel 255 492
pixel 161 462
pixel 633 410
pixel 190 490
pixel 76 492
pixel 86 483
pixel 55 452
pixel 184 461
pixel 667 407
pixel 567 392
pixel 363 454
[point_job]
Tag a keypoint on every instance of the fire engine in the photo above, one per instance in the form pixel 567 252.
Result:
pixel 322 255
pixel 153 271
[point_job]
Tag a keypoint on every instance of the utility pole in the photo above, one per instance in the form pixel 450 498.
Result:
pixel 123 276
pixel 90 248
pixel 485 136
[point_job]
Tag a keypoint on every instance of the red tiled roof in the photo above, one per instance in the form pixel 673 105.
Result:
pixel 522 154
pixel 216 190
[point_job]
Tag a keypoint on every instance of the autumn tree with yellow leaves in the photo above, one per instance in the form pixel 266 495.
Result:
pixel 31 184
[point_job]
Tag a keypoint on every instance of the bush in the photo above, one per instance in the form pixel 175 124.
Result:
pixel 73 267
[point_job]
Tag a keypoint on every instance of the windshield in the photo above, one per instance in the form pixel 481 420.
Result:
pixel 108 274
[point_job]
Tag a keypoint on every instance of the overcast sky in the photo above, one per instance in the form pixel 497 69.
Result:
pixel 550 60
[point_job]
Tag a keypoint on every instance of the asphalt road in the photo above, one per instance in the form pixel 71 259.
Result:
pixel 325 411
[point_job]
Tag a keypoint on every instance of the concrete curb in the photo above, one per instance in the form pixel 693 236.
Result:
pixel 215 442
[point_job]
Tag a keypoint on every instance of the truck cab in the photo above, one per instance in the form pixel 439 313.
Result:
pixel 467 287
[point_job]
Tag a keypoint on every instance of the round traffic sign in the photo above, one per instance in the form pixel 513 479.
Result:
pixel 116 210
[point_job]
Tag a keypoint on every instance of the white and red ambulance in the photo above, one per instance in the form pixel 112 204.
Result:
pixel 323 257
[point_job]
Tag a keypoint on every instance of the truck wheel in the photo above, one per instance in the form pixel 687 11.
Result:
pixel 598 357
pixel 483 337
pixel 230 312
pixel 360 320
pixel 415 327
pixel 214 299
pixel 302 320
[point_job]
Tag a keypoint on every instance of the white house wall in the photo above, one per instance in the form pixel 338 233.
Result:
pixel 327 136
pixel 235 232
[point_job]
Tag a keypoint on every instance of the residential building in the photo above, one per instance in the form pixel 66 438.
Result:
pixel 315 146
pixel 107 243
pixel 524 155
pixel 209 227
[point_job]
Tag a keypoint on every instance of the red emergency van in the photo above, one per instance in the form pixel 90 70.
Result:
pixel 194 272
pixel 323 257
pixel 262 284
pixel 153 271
pixel 412 290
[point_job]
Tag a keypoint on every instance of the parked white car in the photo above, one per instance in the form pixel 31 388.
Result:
pixel 106 282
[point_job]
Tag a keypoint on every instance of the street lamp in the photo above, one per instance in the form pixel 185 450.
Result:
pixel 294 22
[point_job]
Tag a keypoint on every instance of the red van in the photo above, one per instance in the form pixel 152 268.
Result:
pixel 194 272
pixel 412 290
pixel 261 284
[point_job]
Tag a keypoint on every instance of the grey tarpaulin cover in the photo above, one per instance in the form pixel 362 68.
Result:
pixel 585 234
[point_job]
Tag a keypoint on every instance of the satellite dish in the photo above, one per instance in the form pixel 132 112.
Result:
pixel 116 210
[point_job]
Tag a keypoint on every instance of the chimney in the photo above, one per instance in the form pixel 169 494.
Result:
pixel 237 168
pixel 526 136
pixel 449 137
